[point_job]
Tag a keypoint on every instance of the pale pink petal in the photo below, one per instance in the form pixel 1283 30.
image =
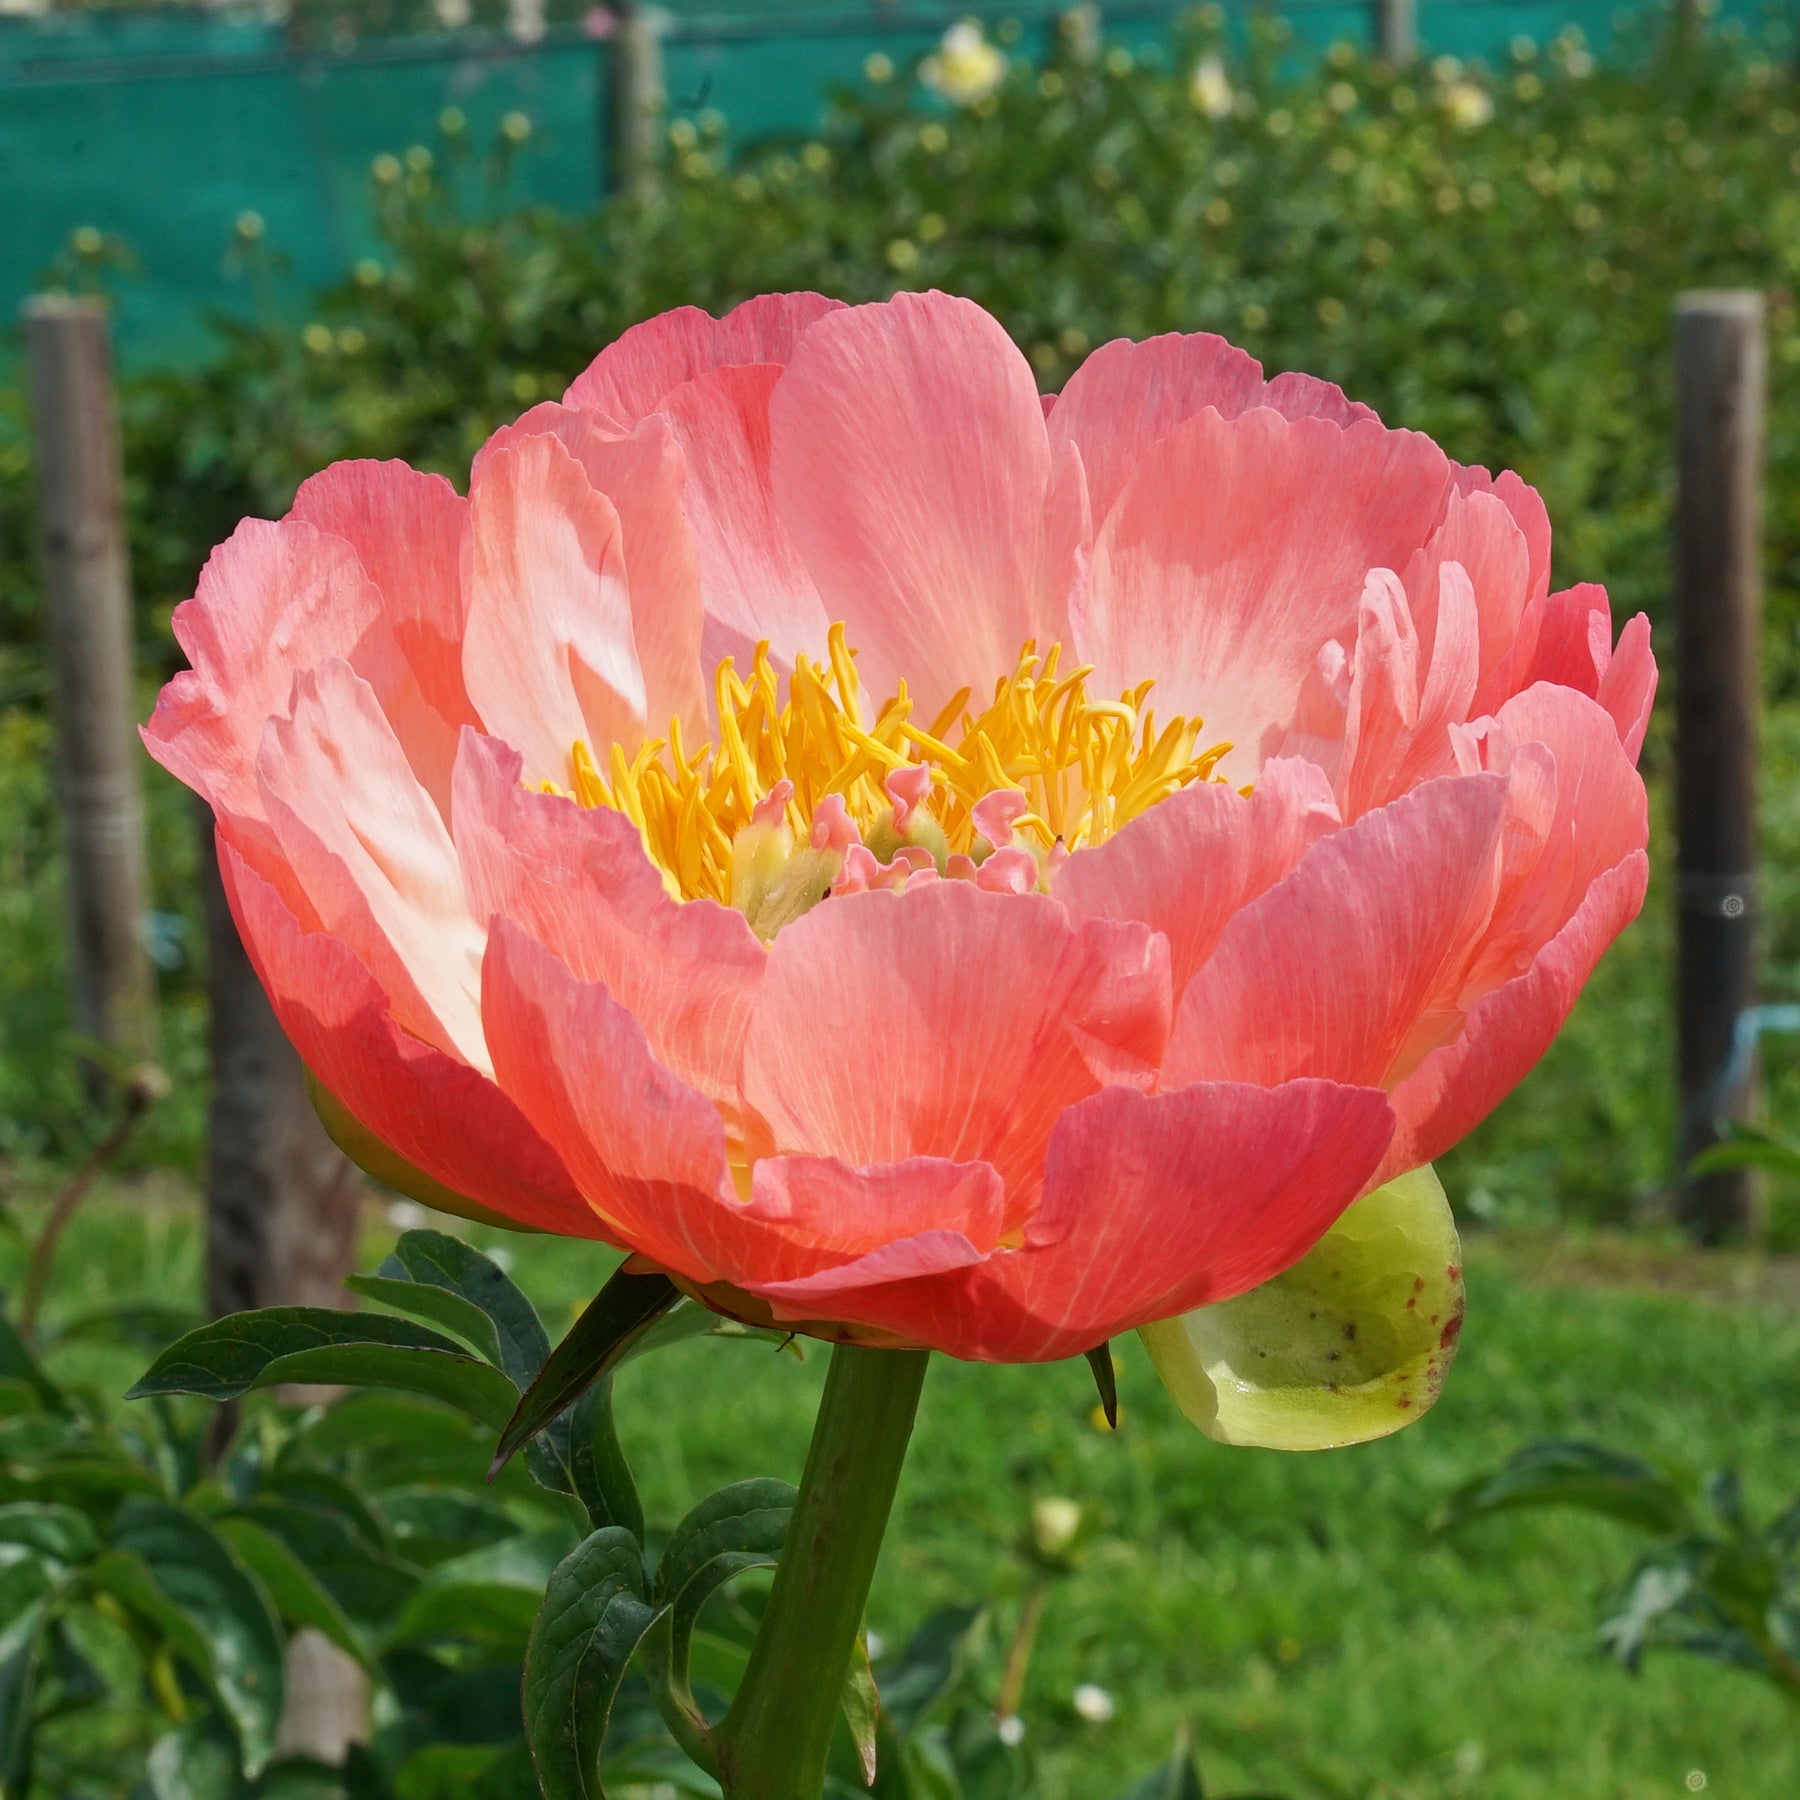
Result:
pixel 631 375
pixel 950 1022
pixel 579 882
pixel 1068 533
pixel 273 600
pixel 1127 396
pixel 1628 688
pixel 643 474
pixel 1526 505
pixel 1237 550
pixel 433 1110
pixel 549 655
pixel 1383 705
pixel 911 465
pixel 374 856
pixel 1334 970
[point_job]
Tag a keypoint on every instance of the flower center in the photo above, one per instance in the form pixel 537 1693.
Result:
pixel 1042 770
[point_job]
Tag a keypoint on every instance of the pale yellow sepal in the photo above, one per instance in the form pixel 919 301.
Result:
pixel 1351 1343
pixel 392 1169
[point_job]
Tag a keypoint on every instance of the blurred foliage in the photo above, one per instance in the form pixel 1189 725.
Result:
pixel 1485 254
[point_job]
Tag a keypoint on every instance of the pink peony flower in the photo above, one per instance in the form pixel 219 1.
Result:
pixel 912 859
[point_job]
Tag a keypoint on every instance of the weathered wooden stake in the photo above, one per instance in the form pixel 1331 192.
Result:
pixel 87 619
pixel 1397 31
pixel 635 101
pixel 1720 380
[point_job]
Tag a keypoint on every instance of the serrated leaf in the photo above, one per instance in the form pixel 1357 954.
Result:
pixel 298 1595
pixel 230 1357
pixel 1351 1343
pixel 593 1618
pixel 197 1574
pixel 1587 1476
pixel 596 1344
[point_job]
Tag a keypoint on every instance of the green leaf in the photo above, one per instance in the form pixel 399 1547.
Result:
pixel 861 1707
pixel 26 1585
pixel 198 1761
pixel 1587 1476
pixel 923 1672
pixel 18 1364
pixel 597 1343
pixel 451 1311
pixel 143 1324
pixel 434 1259
pixel 1748 1148
pixel 1106 1381
pixel 602 1477
pixel 368 1585
pixel 298 1595
pixel 229 1358
pixel 58 1532
pixel 196 1573
pixel 1349 1344
pixel 593 1618
pixel 432 1524
pixel 1177 1779
pixel 488 1596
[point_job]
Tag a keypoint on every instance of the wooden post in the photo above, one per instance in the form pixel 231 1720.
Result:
pixel 1720 391
pixel 87 618
pixel 635 101
pixel 1397 32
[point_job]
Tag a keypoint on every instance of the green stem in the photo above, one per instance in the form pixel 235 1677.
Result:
pixel 773 1743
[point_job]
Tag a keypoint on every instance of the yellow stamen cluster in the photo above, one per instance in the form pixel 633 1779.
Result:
pixel 1085 766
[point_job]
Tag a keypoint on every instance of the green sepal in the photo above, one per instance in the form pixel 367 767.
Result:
pixel 1349 1344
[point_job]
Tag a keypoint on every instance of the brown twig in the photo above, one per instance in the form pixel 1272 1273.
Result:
pixel 1018 1652
pixel 145 1087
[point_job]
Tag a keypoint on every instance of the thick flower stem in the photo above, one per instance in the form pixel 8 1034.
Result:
pixel 772 1745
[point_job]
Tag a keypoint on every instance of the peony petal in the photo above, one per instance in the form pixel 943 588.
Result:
pixel 272 601
pixel 1628 688
pixel 1575 644
pixel 1237 549
pixel 432 1110
pixel 549 654
pixel 631 375
pixel 374 856
pixel 579 882
pixel 1526 505
pixel 910 466
pixel 947 1021
pixel 1333 970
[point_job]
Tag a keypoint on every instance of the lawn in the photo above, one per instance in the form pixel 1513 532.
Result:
pixel 1297 1613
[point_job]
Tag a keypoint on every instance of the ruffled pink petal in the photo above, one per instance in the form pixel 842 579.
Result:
pixel 549 655
pixel 439 1114
pixel 646 1150
pixel 1336 969
pixel 910 466
pixel 1628 688
pixel 1575 644
pixel 754 587
pixel 1186 866
pixel 947 1021
pixel 371 850
pixel 1457 1086
pixel 1127 396
pixel 579 882
pixel 1159 1204
pixel 1240 547
pixel 631 375
pixel 1526 505
pixel 642 472
pixel 272 601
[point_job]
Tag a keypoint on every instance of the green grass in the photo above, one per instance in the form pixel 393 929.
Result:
pixel 1296 1612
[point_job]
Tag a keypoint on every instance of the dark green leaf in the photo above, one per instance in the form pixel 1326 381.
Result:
pixel 298 1595
pixel 198 1761
pixel 488 1596
pixel 1100 1361
pixel 1575 1474
pixel 435 1260
pixel 197 1574
pixel 142 1324
pixel 1177 1779
pixel 18 1364
pixel 593 1618
pixel 431 1524
pixel 602 1477
pixel 597 1342
pixel 915 1680
pixel 368 1585
pixel 422 1301
pixel 226 1359
pixel 24 1606
pixel 57 1532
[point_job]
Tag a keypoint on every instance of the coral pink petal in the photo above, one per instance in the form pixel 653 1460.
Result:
pixel 1628 688
pixel 630 377
pixel 1575 644
pixel 579 882
pixel 374 856
pixel 1159 1204
pixel 273 600
pixel 646 1150
pixel 1189 863
pixel 440 1115
pixel 643 474
pixel 911 466
pixel 1236 550
pixel 754 587
pixel 1127 396
pixel 1334 971
pixel 1458 1085
pixel 1526 505
pixel 549 655
pixel 950 1022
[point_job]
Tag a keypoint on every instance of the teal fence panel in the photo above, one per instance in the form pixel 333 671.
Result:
pixel 163 129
